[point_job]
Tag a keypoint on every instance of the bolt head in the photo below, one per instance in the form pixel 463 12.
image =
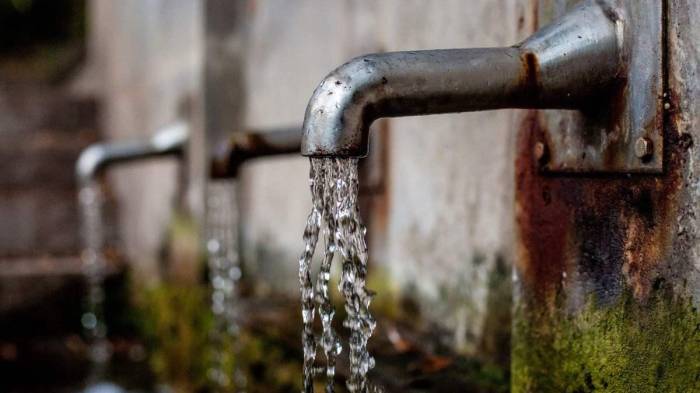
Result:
pixel 540 152
pixel 644 148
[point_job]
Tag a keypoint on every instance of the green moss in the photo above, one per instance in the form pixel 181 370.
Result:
pixel 186 260
pixel 496 332
pixel 629 346
pixel 176 324
pixel 387 302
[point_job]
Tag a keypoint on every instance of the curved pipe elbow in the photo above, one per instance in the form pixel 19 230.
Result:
pixel 171 140
pixel 92 159
pixel 339 112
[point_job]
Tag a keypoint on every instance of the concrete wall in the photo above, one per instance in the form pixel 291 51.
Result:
pixel 146 58
pixel 446 218
pixel 441 222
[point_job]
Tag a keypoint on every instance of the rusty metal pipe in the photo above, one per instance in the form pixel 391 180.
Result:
pixel 169 141
pixel 565 65
pixel 244 146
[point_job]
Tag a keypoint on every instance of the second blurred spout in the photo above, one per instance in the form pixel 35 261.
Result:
pixel 246 145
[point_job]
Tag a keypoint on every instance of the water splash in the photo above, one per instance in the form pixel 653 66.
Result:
pixel 334 191
pixel 224 274
pixel 91 200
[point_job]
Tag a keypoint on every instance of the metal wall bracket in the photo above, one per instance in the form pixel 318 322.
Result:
pixel 624 132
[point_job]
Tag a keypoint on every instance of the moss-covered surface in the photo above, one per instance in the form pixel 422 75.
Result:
pixel 629 346
pixel 176 325
pixel 496 332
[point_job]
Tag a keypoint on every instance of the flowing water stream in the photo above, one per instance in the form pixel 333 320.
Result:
pixel 90 199
pixel 224 274
pixel 335 215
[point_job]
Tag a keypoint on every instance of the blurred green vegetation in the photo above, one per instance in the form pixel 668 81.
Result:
pixel 177 326
pixel 179 329
pixel 176 323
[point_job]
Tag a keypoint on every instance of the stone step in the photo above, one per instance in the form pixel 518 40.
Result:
pixel 32 107
pixel 39 221
pixel 28 282
pixel 42 132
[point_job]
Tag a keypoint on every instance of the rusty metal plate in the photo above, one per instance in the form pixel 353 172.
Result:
pixel 624 132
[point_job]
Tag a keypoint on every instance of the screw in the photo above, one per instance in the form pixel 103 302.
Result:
pixel 541 153
pixel 644 149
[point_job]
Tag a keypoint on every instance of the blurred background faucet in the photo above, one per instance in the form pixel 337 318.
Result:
pixel 169 141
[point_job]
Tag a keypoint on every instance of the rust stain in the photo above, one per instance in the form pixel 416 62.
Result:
pixel 381 201
pixel 609 231
pixel 219 164
pixel 613 112
pixel 542 218
pixel 530 76
pixel 244 146
pixel 535 14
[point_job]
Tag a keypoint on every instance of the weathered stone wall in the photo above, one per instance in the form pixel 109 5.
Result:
pixel 42 131
pixel 147 58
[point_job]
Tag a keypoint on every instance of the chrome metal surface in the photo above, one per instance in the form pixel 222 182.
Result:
pixel 169 140
pixel 582 63
pixel 244 146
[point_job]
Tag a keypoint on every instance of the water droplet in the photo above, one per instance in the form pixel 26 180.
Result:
pixel 89 321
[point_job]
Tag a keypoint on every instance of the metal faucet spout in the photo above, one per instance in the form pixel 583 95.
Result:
pixel 563 66
pixel 244 146
pixel 170 140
